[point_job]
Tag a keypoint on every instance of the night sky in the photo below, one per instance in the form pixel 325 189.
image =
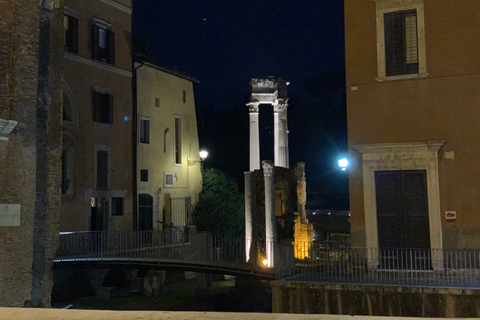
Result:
pixel 226 43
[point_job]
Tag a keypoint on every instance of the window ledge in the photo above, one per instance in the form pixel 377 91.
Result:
pixel 403 77
pixel 104 126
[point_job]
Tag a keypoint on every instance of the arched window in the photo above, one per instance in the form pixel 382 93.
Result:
pixel 145 211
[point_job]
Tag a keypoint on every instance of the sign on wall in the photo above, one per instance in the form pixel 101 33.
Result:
pixel 451 216
pixel 9 215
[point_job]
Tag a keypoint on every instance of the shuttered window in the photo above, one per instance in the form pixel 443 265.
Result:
pixel 102 107
pixel 401 43
pixel 103 44
pixel 70 25
pixel 144 131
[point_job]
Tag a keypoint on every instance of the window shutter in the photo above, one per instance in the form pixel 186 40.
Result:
pixel 73 35
pixel 96 106
pixel 111 47
pixel 95 47
pixel 110 108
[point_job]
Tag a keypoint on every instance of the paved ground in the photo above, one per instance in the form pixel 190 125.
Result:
pixel 59 314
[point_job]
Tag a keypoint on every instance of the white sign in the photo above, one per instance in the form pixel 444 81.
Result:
pixel 9 215
pixel 451 215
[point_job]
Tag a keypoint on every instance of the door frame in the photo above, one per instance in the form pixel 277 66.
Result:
pixel 401 156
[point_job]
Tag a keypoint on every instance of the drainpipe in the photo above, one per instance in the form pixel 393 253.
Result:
pixel 134 143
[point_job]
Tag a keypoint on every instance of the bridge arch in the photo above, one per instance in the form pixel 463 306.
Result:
pixel 116 278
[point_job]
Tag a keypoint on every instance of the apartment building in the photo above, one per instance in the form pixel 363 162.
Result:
pixel 97 116
pixel 413 111
pixel 168 163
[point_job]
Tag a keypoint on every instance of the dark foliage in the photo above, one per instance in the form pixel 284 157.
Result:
pixel 220 207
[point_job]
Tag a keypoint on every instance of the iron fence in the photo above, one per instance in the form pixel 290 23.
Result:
pixel 179 245
pixel 411 267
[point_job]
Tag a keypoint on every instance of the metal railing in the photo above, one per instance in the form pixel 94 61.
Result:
pixel 181 246
pixel 411 267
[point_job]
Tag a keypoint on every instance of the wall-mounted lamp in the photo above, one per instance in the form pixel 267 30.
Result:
pixel 203 155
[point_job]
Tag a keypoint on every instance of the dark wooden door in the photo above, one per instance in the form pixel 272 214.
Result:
pixel 402 217
pixel 145 209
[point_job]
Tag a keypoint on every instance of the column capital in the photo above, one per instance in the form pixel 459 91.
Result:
pixel 253 106
pixel 268 168
pixel 280 106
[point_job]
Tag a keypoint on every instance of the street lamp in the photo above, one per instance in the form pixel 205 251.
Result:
pixel 203 155
pixel 343 163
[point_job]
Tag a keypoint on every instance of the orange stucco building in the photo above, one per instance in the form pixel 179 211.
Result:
pixel 412 76
pixel 97 119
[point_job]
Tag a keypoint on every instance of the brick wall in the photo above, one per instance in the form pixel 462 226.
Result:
pixel 30 159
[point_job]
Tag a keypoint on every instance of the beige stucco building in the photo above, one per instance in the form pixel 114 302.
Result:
pixel 168 167
pixel 413 122
pixel 97 118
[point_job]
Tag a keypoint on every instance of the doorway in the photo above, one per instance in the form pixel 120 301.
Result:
pixel 402 218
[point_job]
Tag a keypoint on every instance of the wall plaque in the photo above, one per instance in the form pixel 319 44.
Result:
pixel 9 215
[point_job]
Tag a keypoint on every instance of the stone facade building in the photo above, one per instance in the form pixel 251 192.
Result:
pixel 169 175
pixel 412 106
pixel 97 116
pixel 30 148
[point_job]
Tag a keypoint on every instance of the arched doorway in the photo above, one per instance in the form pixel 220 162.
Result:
pixel 145 210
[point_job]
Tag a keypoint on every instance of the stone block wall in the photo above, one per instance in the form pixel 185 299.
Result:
pixel 371 300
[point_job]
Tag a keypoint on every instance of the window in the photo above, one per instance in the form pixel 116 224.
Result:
pixel 157 102
pixel 184 96
pixel 103 43
pixel 116 206
pixel 70 25
pixel 144 175
pixel 168 179
pixel 67 108
pixel 400 39
pixel 401 52
pixel 144 131
pixel 102 107
pixel 178 140
pixel 102 170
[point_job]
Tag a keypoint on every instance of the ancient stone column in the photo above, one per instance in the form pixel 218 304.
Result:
pixel 254 137
pixel 281 134
pixel 270 220
pixel 250 218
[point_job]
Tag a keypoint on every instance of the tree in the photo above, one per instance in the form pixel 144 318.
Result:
pixel 220 204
